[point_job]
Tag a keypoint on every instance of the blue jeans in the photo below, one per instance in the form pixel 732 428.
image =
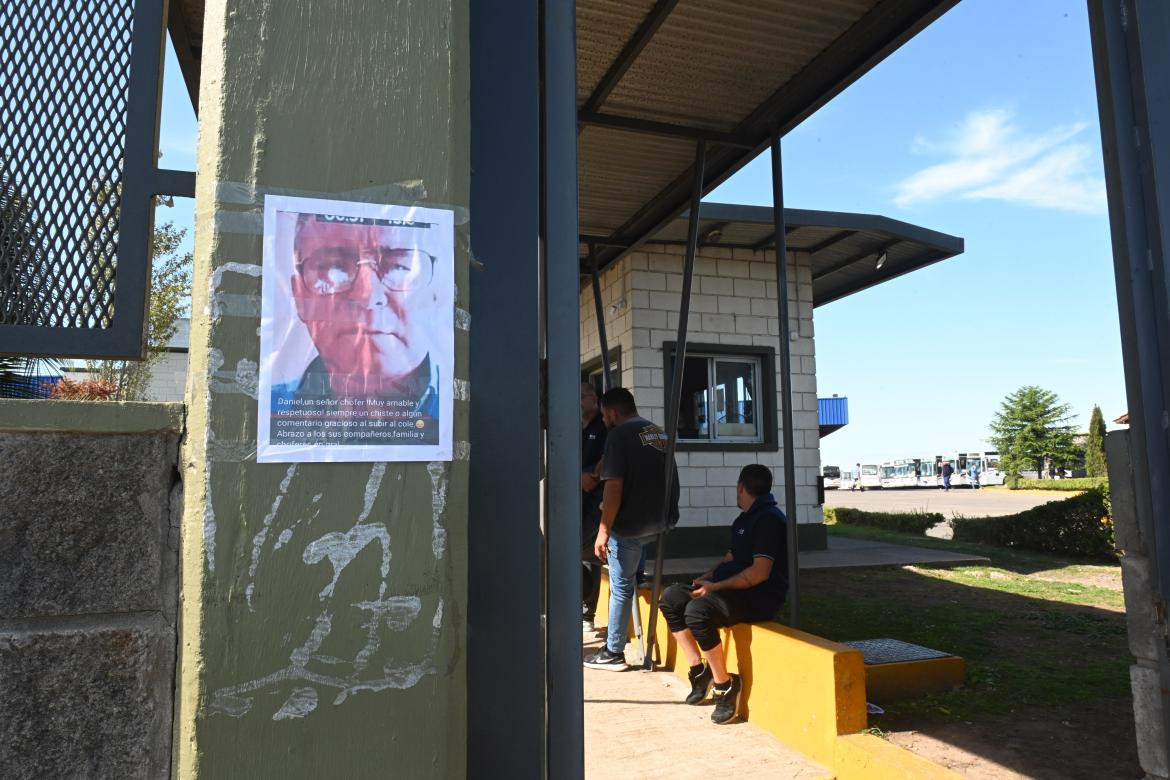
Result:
pixel 624 554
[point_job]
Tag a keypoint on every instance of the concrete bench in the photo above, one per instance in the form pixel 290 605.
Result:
pixel 808 692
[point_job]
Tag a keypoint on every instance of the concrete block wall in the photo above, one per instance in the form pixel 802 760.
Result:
pixel 733 302
pixel 89 512
pixel 617 301
pixel 168 378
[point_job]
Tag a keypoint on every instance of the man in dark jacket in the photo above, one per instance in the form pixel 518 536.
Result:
pixel 747 586
pixel 593 432
pixel 947 472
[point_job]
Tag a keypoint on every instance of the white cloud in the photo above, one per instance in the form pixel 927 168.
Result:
pixel 990 158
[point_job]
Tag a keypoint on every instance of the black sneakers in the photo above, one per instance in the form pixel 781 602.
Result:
pixel 727 701
pixel 604 659
pixel 699 685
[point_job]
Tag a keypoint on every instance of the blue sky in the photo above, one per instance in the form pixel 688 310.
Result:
pixel 983 126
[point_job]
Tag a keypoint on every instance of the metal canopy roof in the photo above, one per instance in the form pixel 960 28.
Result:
pixel 185 25
pixel 844 247
pixel 653 76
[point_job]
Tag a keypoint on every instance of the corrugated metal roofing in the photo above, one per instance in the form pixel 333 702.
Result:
pixel 843 247
pixel 737 67
pixel 741 68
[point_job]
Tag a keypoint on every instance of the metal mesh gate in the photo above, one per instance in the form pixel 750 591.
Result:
pixel 64 88
pixel 79 85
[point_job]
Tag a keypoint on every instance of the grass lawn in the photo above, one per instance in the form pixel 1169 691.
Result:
pixel 1043 637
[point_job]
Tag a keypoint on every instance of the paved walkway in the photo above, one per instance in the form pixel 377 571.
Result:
pixel 842 554
pixel 637 726
pixel 957 501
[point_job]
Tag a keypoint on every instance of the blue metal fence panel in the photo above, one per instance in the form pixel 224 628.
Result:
pixel 27 386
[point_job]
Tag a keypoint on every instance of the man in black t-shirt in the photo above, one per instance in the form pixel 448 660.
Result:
pixel 747 586
pixel 634 471
pixel 593 432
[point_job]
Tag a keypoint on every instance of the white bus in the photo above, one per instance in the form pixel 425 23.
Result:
pixel 988 465
pixel 870 476
pixel 926 472
pixel 908 473
pixel 832 475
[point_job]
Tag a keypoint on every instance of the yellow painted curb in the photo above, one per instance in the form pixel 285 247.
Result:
pixel 905 680
pixel 806 691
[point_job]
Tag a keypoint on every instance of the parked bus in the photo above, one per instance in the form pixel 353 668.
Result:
pixel 989 473
pixel 870 476
pixel 832 475
pixel 908 473
pixel 988 462
pixel 926 472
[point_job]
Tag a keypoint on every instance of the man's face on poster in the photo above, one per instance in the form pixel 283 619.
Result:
pixel 365 294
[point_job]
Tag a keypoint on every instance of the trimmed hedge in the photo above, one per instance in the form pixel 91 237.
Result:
pixel 1080 526
pixel 906 522
pixel 1082 483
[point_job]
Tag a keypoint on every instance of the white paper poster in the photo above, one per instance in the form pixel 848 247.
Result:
pixel 357 332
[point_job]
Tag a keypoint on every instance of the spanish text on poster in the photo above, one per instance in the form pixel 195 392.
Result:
pixel 356 333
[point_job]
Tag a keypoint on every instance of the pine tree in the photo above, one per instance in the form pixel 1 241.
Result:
pixel 1033 426
pixel 1095 445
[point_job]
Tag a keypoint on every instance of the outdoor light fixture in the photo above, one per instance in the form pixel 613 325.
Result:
pixel 881 259
pixel 713 235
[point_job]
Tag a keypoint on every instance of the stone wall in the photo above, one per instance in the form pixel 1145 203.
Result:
pixel 89 505
pixel 733 302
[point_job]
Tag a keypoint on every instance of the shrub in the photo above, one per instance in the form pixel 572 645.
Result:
pixel 905 522
pixel 1084 483
pixel 1080 526
pixel 83 390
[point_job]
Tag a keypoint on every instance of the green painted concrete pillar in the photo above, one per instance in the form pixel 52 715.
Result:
pixel 324 605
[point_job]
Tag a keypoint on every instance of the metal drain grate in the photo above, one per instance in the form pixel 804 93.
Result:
pixel 892 651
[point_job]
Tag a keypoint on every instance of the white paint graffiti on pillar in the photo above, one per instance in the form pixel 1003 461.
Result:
pixel 438 472
pixel 311 667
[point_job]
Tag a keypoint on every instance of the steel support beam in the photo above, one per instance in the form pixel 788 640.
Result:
pixel 650 127
pixel 562 356
pixel 599 307
pixel 832 240
pixel 672 401
pixel 178 183
pixel 506 554
pixel 770 239
pixel 1131 58
pixel 628 54
pixel 786 383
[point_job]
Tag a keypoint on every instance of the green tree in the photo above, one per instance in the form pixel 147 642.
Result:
pixel 1095 445
pixel 170 290
pixel 1031 427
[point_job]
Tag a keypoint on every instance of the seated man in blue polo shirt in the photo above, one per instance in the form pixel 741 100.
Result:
pixel 747 586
